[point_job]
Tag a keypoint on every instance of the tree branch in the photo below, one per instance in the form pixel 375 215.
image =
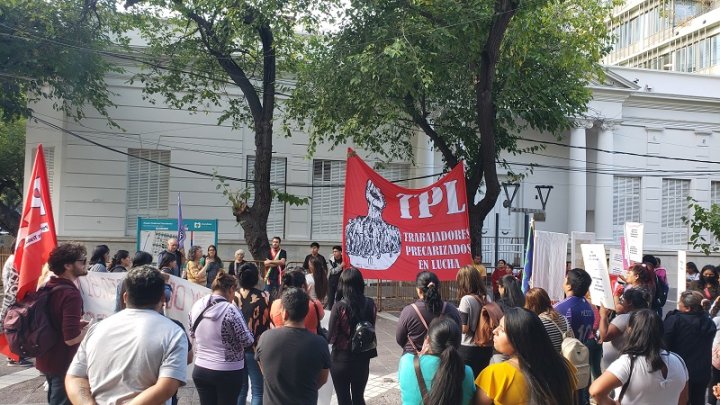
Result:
pixel 421 121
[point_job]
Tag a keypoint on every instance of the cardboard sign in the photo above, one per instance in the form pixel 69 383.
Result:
pixel 634 241
pixel 596 266
pixel 616 262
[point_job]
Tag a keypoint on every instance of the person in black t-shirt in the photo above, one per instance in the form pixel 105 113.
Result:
pixel 294 361
pixel 314 249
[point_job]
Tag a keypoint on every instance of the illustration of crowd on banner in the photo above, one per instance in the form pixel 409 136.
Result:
pixel 555 331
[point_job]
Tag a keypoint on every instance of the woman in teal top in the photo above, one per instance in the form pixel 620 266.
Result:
pixel 447 379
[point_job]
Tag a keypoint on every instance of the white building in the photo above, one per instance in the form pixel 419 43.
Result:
pixel 650 140
pixel 677 35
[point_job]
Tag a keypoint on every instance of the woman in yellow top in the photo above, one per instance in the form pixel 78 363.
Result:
pixel 195 273
pixel 535 374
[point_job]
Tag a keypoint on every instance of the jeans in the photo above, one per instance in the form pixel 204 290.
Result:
pixel 56 394
pixel 349 379
pixel 216 387
pixel 255 378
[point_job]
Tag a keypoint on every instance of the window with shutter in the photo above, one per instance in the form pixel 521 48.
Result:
pixel 148 186
pixel 49 164
pixel 674 206
pixel 276 218
pixel 328 194
pixel 626 203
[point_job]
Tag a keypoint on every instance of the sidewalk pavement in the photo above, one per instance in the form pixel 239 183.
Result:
pixel 25 385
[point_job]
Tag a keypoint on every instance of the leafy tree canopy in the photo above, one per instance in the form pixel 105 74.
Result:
pixel 12 143
pixel 399 66
pixel 53 50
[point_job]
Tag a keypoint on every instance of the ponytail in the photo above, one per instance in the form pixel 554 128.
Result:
pixel 429 284
pixel 447 384
pixel 118 257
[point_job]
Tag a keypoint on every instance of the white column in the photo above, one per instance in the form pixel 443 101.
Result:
pixel 577 179
pixel 604 189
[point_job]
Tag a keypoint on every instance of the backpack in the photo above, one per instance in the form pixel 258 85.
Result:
pixel 577 354
pixel 27 324
pixel 661 293
pixel 363 338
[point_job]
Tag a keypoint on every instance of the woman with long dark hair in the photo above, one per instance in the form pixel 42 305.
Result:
pixel 213 264
pixel 511 294
pixel 295 278
pixel 645 373
pixel 350 370
pixel 415 318
pixel 445 377
pixel 473 297
pixel 120 262
pixel 221 336
pixel 317 279
pixel 557 326
pixel 141 258
pixel 99 259
pixel 708 284
pixel 637 276
pixel 535 374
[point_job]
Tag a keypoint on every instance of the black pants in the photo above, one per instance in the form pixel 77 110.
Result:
pixel 333 281
pixel 696 391
pixel 218 387
pixel 349 379
pixel 476 357
pixel 714 379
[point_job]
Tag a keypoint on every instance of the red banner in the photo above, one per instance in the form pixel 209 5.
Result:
pixel 392 233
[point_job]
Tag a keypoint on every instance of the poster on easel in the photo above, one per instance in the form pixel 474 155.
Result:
pixel 596 265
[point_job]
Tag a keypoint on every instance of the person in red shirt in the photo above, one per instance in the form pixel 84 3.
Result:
pixel 500 271
pixel 67 261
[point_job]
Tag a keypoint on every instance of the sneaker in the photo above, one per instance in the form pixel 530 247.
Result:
pixel 19 363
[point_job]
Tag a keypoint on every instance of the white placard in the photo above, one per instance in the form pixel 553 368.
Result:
pixel 681 275
pixel 99 290
pixel 577 239
pixel 616 262
pixel 634 241
pixel 596 266
pixel 549 257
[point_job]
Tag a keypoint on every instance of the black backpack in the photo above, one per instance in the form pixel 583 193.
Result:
pixel 27 324
pixel 363 338
pixel 661 293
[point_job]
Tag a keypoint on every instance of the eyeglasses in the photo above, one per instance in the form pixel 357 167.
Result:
pixel 83 260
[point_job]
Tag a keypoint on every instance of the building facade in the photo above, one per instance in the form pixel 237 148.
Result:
pixel 676 35
pixel 649 140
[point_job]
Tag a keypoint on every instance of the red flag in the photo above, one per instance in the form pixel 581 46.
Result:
pixel 392 233
pixel 36 237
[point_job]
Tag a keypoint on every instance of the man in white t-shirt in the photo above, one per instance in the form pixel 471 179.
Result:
pixel 136 353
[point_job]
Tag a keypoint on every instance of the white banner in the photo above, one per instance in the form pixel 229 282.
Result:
pixel 616 262
pixel 681 274
pixel 577 239
pixel 596 266
pixel 99 291
pixel 549 257
pixel 634 241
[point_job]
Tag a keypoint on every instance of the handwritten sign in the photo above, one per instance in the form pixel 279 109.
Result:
pixel 616 262
pixel 634 241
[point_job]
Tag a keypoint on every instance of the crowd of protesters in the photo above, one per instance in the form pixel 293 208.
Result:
pixel 258 334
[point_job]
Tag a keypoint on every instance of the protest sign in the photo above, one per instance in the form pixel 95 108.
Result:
pixel 596 266
pixel 616 262
pixel 577 239
pixel 634 241
pixel 391 232
pixel 549 256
